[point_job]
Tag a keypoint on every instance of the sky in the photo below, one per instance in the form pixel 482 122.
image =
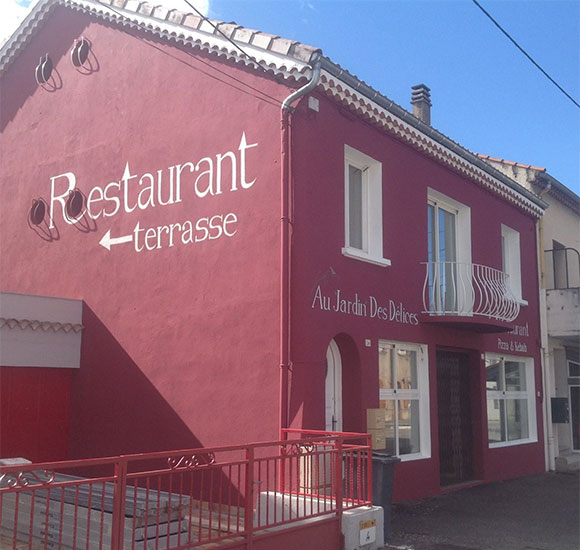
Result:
pixel 486 94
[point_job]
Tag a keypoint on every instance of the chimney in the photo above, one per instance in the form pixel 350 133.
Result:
pixel 421 101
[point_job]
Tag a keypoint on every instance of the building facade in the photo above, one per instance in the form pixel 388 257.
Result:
pixel 239 275
pixel 559 253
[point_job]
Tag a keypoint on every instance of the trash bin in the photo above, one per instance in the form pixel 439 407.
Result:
pixel 383 476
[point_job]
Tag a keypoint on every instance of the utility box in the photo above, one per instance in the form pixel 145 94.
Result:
pixel 363 528
pixel 560 410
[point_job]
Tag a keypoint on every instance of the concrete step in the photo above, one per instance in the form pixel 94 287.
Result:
pixel 569 462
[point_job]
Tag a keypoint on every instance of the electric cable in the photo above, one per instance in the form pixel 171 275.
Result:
pixel 275 101
pixel 525 53
pixel 251 58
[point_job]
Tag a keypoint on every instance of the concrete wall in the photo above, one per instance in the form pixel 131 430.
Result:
pixel 561 224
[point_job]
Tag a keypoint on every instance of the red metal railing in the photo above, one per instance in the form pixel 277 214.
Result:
pixel 182 499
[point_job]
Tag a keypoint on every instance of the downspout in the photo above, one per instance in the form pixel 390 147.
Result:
pixel 550 451
pixel 285 241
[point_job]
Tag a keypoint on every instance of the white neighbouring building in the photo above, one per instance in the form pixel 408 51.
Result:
pixel 559 257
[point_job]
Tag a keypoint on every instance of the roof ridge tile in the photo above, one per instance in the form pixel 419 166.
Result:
pixel 510 162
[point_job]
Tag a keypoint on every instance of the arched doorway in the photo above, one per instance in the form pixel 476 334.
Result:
pixel 333 388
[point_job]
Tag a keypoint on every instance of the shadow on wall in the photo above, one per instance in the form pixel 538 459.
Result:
pixel 352 420
pixel 307 400
pixel 115 409
pixel 19 83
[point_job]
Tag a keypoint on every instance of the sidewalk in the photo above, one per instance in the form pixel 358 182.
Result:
pixel 533 513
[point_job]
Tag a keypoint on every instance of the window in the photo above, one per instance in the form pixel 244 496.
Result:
pixel 511 262
pixel 573 369
pixel 511 413
pixel 404 394
pixel 449 255
pixel 363 208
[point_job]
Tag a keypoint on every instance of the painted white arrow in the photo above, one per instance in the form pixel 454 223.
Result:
pixel 107 241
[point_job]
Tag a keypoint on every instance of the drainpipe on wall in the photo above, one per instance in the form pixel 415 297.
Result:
pixel 549 448
pixel 285 241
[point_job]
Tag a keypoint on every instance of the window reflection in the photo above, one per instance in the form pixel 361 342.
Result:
pixel 494 378
pixel 517 419
pixel 510 398
pixel 408 427
pixel 515 376
pixel 399 396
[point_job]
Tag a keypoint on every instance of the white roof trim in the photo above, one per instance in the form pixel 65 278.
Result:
pixel 395 125
pixel 218 42
pixel 179 33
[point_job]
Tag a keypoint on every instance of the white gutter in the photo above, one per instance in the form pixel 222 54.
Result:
pixel 286 242
pixel 549 443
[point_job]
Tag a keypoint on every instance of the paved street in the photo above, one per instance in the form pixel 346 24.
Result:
pixel 533 513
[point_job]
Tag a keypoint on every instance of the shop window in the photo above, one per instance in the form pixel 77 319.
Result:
pixel 404 394
pixel 511 261
pixel 363 208
pixel 511 415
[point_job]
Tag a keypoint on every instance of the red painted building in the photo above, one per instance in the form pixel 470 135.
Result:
pixel 239 274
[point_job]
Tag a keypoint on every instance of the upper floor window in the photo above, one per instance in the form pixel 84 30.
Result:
pixel 449 254
pixel 363 207
pixel 562 267
pixel 511 260
pixel 573 369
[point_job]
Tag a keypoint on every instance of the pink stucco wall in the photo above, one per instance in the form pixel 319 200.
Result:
pixel 180 346
pixel 318 164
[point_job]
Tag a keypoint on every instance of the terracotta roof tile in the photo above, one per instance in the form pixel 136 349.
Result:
pixel 282 46
pixel 175 16
pixel 144 8
pixel 228 28
pixel 510 163
pixel 191 21
pixel 263 40
pixel 243 35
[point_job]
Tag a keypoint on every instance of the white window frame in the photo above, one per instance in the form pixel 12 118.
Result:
pixel 372 204
pixel 462 241
pixel 421 393
pixel 463 222
pixel 571 424
pixel 569 363
pixel 511 261
pixel 504 395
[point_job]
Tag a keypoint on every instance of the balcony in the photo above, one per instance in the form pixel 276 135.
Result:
pixel 563 294
pixel 468 296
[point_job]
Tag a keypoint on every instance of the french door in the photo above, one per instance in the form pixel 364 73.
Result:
pixel 442 255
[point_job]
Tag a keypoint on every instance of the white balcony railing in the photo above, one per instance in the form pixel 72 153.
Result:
pixel 455 288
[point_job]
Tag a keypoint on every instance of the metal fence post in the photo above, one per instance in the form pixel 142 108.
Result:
pixel 369 470
pixel 338 483
pixel 119 493
pixel 249 508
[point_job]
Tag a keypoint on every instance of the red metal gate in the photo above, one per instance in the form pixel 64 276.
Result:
pixel 183 499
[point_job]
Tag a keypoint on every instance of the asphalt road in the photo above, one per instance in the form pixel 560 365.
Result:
pixel 533 513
